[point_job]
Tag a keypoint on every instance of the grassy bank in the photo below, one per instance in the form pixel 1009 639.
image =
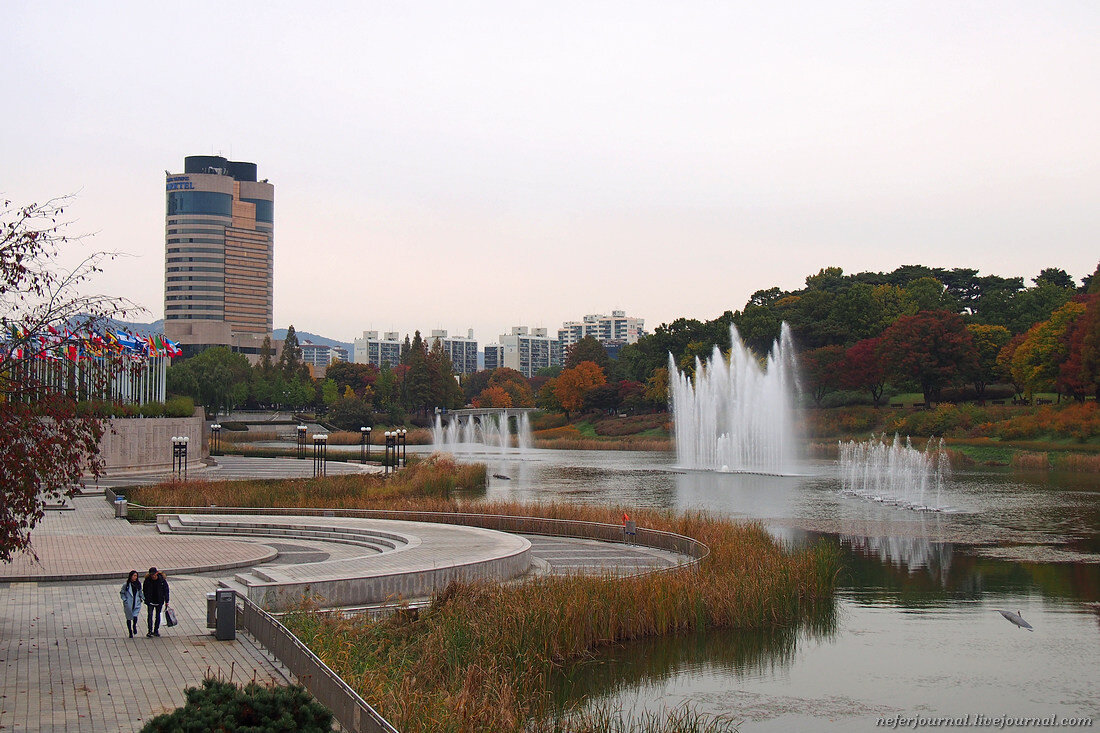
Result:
pixel 432 478
pixel 482 655
pixel 480 658
pixel 416 436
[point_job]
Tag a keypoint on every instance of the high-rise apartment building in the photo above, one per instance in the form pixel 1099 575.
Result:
pixel 528 350
pixel 219 255
pixel 373 350
pixel 462 350
pixel 494 356
pixel 320 356
pixel 618 328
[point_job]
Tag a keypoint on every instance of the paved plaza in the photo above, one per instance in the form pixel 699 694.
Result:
pixel 65 658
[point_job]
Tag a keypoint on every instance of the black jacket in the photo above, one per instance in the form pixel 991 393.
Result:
pixel 155 590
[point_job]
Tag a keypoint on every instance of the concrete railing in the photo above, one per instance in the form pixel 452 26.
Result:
pixel 352 712
pixel 645 537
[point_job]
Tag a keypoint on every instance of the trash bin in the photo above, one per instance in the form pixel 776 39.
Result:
pixel 630 531
pixel 120 507
pixel 211 610
pixel 226 627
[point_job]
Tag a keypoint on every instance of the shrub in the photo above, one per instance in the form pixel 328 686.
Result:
pixel 151 409
pixel 179 407
pixel 221 705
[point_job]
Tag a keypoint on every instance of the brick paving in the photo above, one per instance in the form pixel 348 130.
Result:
pixel 68 665
pixel 66 662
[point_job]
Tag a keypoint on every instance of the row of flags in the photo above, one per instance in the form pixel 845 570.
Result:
pixel 74 346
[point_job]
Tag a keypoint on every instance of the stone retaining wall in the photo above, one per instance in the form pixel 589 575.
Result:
pixel 139 444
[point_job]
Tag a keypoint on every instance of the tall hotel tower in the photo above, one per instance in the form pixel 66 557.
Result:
pixel 218 256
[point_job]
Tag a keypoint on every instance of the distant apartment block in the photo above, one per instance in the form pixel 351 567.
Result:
pixel 320 356
pixel 373 350
pixel 614 330
pixel 462 350
pixel 494 356
pixel 528 350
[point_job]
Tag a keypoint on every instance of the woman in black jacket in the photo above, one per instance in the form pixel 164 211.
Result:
pixel 155 589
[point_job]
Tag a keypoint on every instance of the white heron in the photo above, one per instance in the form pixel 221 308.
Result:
pixel 1015 618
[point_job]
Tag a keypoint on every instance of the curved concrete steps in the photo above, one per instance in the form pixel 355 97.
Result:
pixel 401 559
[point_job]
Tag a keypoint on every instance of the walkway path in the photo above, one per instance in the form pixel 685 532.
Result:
pixel 66 663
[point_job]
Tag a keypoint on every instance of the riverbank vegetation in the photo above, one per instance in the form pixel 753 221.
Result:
pixel 481 656
pixel 434 477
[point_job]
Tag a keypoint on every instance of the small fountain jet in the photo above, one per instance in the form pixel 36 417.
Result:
pixel 1015 618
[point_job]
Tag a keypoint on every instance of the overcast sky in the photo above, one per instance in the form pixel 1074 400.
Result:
pixel 481 165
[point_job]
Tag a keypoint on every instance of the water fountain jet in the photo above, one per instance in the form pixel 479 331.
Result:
pixel 736 415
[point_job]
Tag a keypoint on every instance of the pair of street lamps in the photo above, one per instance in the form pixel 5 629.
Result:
pixel 215 435
pixel 179 456
pixel 320 454
pixel 396 448
pixel 302 430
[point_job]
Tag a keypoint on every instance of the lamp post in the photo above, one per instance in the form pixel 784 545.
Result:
pixel 368 442
pixel 179 456
pixel 390 445
pixel 362 445
pixel 320 454
pixel 404 447
pixel 302 441
pixel 215 433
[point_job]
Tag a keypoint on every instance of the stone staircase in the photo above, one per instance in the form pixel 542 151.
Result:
pixel 400 560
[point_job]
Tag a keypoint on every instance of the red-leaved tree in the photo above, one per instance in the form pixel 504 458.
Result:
pixel 864 368
pixel 932 348
pixel 48 442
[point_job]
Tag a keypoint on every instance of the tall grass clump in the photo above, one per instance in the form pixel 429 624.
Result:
pixel 436 476
pixel 481 655
pixel 1026 461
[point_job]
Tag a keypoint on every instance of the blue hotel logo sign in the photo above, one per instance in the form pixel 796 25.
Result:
pixel 177 182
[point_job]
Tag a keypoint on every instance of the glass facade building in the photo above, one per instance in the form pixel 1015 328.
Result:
pixel 219 255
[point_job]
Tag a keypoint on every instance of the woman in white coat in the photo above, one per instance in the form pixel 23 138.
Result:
pixel 132 598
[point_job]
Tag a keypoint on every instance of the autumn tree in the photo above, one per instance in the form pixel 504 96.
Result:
pixel 932 348
pixel 988 341
pixel 1004 362
pixel 821 368
pixel 1037 362
pixel 515 384
pixel 493 396
pixel 864 368
pixel 571 386
pixel 48 443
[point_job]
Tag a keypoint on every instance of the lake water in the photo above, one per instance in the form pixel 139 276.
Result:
pixel 914 631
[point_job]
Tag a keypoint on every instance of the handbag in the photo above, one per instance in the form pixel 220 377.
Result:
pixel 170 616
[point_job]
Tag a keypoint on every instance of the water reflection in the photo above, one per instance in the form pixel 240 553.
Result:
pixel 646 663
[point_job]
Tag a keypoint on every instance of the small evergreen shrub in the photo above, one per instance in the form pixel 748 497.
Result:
pixel 179 407
pixel 223 706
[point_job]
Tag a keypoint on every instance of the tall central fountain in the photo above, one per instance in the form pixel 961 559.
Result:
pixel 738 414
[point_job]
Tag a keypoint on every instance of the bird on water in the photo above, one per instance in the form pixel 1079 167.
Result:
pixel 1015 618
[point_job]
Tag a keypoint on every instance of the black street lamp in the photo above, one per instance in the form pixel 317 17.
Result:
pixel 363 444
pixel 404 447
pixel 391 449
pixel 215 433
pixel 179 456
pixel 320 454
pixel 302 429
